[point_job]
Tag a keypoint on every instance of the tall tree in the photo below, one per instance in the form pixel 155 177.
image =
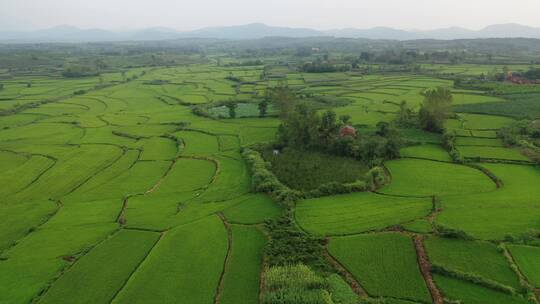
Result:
pixel 328 129
pixel 300 129
pixel 404 114
pixel 436 108
pixel 283 99
pixel 263 107
pixel 232 108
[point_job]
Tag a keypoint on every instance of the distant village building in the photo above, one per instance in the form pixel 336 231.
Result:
pixel 315 49
pixel 347 131
pixel 275 152
pixel 518 79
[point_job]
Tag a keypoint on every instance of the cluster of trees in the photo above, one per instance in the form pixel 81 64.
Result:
pixel 324 67
pixel 76 70
pixel 533 74
pixel 256 62
pixel 409 56
pixel 518 130
pixel 525 134
pixel 304 128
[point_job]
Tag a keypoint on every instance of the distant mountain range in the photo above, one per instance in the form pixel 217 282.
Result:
pixel 258 30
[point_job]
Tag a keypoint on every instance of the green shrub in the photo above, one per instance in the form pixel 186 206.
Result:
pixel 341 291
pixel 298 284
pixel 289 245
pixel 452 233
pixel 375 178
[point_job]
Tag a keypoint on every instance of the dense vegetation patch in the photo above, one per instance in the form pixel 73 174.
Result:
pixel 297 284
pixel 307 170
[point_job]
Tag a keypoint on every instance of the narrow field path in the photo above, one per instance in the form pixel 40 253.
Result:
pixel 219 289
pixel 425 269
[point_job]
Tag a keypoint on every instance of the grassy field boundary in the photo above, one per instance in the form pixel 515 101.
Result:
pixel 161 236
pixel 227 261
pixel 425 269
pixel 344 272
pixel 66 268
pixel 59 206
pixel 522 279
pixel 473 278
pixel 53 159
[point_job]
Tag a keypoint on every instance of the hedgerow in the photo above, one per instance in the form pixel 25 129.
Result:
pixel 473 279
pixel 449 143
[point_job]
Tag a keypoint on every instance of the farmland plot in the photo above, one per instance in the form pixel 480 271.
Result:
pixel 416 177
pixel 385 264
pixel 184 266
pixel 358 212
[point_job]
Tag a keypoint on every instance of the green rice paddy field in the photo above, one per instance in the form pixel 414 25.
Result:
pixel 123 195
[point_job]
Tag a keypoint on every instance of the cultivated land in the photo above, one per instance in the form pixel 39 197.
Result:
pixel 120 193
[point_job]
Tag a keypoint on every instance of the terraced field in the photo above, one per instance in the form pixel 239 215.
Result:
pixel 121 194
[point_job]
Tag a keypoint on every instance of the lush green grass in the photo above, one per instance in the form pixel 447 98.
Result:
pixel 17 220
pixel 105 268
pixel 187 175
pixel 384 264
pixel 158 148
pixel 357 212
pixel 492 153
pixel 23 175
pixel 472 293
pixel 474 141
pixel 140 178
pixel 184 266
pixel 241 280
pixel 306 170
pixel 480 122
pixel 36 260
pixel 232 181
pixel 511 210
pixel 421 136
pixel 254 209
pixel 434 152
pixel 419 226
pixel 478 258
pixel 198 143
pixel 528 260
pixel 417 177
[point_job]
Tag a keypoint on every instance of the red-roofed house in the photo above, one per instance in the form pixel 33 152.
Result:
pixel 347 131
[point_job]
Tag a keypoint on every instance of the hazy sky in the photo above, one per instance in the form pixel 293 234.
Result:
pixel 319 14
